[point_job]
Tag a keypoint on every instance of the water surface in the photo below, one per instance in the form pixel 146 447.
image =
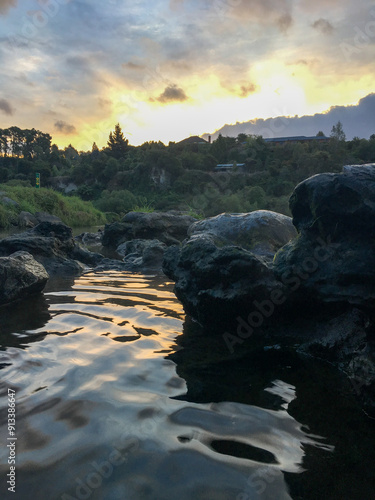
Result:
pixel 119 397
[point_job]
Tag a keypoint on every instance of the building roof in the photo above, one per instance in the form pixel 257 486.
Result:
pixel 193 140
pixel 297 138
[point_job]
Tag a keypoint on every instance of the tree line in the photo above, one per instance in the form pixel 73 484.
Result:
pixel 119 176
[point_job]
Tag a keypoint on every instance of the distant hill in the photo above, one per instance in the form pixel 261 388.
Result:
pixel 358 120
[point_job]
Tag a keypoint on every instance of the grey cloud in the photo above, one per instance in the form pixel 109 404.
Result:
pixel 357 120
pixel 172 93
pixel 65 128
pixel 247 89
pixel 323 26
pixel 133 66
pixel 285 22
pixel 6 107
pixel 275 12
pixel 5 5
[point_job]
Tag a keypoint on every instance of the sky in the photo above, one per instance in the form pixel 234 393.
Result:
pixel 168 69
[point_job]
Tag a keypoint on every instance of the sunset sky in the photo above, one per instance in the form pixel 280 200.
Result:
pixel 169 69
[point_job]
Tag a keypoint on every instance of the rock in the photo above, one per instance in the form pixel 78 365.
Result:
pixel 8 201
pixel 143 253
pixel 45 217
pixel 26 219
pixel 63 184
pixel 262 232
pixel 169 228
pixel 20 276
pixel 335 250
pixel 340 206
pixel 51 244
pixel 217 285
pixel 90 239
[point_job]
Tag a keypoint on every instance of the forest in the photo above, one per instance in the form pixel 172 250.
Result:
pixel 178 176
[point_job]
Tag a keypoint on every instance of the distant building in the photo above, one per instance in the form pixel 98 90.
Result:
pixel 225 167
pixel 192 140
pixel 297 138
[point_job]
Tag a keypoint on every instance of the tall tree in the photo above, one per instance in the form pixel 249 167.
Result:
pixel 118 146
pixel 337 132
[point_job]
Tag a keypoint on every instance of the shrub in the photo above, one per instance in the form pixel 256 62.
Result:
pixel 116 201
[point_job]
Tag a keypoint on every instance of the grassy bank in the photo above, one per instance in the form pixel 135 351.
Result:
pixel 72 210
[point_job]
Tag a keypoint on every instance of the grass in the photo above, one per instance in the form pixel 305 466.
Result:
pixel 146 208
pixel 70 209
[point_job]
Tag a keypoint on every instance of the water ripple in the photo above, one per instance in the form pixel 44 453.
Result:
pixel 98 414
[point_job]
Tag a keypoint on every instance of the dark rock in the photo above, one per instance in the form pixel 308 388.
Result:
pixel 90 239
pixel 335 216
pixel 51 244
pixel 8 201
pixel 143 253
pixel 26 219
pixel 217 285
pixel 339 206
pixel 169 228
pixel 262 232
pixel 45 217
pixel 20 276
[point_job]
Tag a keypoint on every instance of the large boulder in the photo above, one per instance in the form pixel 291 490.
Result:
pixel 51 244
pixel 334 214
pixel 225 268
pixel 217 285
pixel 168 227
pixel 20 276
pixel 262 232
pixel 341 206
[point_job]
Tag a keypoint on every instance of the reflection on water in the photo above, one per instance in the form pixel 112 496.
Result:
pixel 114 403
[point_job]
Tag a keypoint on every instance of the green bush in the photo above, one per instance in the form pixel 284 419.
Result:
pixel 116 201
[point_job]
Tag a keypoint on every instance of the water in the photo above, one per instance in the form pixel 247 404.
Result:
pixel 119 397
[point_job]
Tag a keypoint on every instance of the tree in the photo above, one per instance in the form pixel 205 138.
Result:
pixel 320 134
pixel 337 132
pixel 118 146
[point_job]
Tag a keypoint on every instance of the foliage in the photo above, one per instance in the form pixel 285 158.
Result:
pixel 72 210
pixel 118 146
pixel 120 177
pixel 116 201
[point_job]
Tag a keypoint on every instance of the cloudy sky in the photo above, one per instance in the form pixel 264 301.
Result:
pixel 168 69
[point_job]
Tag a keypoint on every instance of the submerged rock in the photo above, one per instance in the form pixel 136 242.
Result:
pixel 168 227
pixel 20 276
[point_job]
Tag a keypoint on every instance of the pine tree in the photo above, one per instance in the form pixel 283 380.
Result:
pixel 118 146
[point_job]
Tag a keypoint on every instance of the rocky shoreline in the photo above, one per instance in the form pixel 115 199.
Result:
pixel 317 293
pixel 306 283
